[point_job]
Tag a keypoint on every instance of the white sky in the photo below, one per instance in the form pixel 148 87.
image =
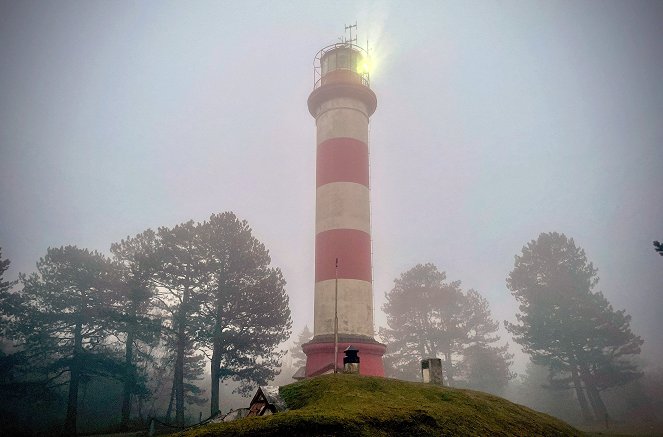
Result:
pixel 496 121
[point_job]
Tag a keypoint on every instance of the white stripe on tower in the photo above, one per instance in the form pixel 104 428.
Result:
pixel 342 117
pixel 355 302
pixel 342 205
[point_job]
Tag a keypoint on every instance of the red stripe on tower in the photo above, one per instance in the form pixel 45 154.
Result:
pixel 342 160
pixel 351 247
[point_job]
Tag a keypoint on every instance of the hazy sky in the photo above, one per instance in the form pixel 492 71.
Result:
pixel 496 121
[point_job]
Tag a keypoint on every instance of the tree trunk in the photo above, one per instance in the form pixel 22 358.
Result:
pixel 422 356
pixel 169 411
pixel 140 410
pixel 215 367
pixel 74 382
pixel 447 359
pixel 600 410
pixel 580 394
pixel 179 379
pixel 129 376
pixel 129 380
pixel 179 361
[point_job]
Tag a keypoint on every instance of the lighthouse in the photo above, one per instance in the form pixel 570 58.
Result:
pixel 342 103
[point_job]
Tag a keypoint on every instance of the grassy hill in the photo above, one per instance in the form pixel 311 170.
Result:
pixel 352 405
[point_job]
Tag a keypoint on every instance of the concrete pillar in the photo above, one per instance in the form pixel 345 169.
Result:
pixel 431 371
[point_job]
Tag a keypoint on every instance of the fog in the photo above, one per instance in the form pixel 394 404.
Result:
pixel 496 121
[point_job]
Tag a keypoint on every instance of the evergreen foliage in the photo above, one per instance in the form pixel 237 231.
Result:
pixel 658 247
pixel 182 293
pixel 216 292
pixel 5 286
pixel 193 371
pixel 135 320
pixel 179 274
pixel 296 352
pixel 487 368
pixel 59 320
pixel 535 389
pixel 244 309
pixel 428 317
pixel 567 326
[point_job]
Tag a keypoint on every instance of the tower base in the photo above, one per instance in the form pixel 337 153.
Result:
pixel 320 354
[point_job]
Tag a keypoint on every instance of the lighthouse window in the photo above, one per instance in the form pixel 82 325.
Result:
pixel 342 60
pixel 332 61
pixel 325 65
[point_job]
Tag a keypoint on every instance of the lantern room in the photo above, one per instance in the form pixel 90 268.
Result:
pixel 342 62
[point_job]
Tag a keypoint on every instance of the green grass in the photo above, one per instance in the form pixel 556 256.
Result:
pixel 353 405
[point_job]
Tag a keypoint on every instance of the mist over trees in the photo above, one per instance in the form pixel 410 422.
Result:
pixel 296 352
pixel 534 389
pixel 244 310
pixel 134 317
pixel 196 291
pixel 143 325
pixel 428 317
pixel 295 358
pixel 584 356
pixel 567 326
pixel 60 319
pixel 20 390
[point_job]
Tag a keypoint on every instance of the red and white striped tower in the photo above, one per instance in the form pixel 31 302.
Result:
pixel 341 103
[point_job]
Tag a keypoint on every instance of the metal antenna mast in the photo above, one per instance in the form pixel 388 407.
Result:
pixel 349 28
pixel 336 320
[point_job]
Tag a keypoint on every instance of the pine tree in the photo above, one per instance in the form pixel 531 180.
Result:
pixel 135 318
pixel 192 373
pixel 487 368
pixel 296 352
pixel 5 286
pixel 567 326
pixel 216 290
pixel 536 389
pixel 244 302
pixel 428 317
pixel 59 321
pixel 424 318
pixel 180 273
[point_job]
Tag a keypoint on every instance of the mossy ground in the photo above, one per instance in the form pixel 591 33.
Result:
pixel 352 405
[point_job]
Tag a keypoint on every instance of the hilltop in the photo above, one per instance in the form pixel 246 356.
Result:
pixel 353 405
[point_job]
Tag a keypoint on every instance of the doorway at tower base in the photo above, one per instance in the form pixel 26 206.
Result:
pixel 320 354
